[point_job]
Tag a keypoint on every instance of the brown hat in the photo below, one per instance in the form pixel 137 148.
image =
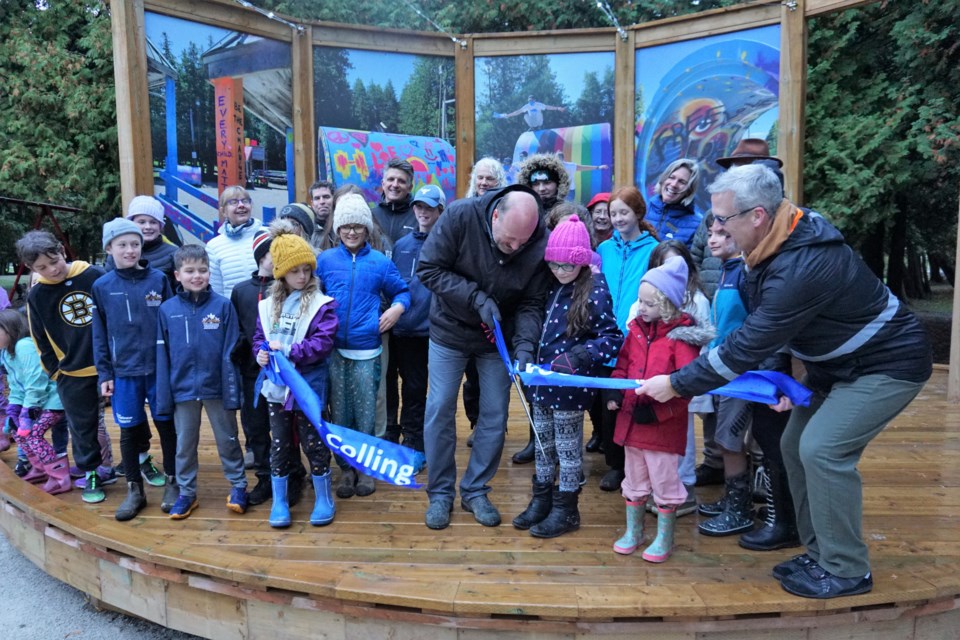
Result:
pixel 749 149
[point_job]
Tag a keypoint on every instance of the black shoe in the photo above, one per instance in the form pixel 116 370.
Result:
pixel 23 468
pixel 593 444
pixel 563 518
pixel 707 475
pixel 262 492
pixel 814 581
pixel 525 455
pixel 611 480
pixel 539 507
pixel 483 510
pixel 791 566
pixel 472 433
pixel 294 489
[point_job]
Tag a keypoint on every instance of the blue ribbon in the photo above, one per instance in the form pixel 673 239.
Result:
pixel 380 459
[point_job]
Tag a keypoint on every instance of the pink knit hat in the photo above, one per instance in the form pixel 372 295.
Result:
pixel 569 243
pixel 670 278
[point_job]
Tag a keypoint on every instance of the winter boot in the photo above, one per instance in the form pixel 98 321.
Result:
pixel 132 504
pixel 779 530
pixel 348 483
pixel 323 509
pixel 366 485
pixel 170 494
pixel 633 536
pixel 262 492
pixel 280 511
pixel 58 477
pixel 36 474
pixel 662 546
pixel 564 516
pixel 737 516
pixel 712 509
pixel 539 506
pixel 525 455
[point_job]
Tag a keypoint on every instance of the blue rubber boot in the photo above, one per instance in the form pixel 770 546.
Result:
pixel 323 509
pixel 280 511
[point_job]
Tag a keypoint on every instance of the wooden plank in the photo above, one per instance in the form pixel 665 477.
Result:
pixel 66 562
pixel 820 7
pixel 953 378
pixel 465 93
pixel 304 127
pixel 133 102
pixel 210 615
pixel 707 23
pixel 540 43
pixel 23 534
pixel 625 99
pixel 793 94
pixel 221 13
pixel 133 592
pixel 330 34
pixel 274 622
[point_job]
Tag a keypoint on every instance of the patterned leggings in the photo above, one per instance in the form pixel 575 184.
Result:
pixel 561 434
pixel 34 444
pixel 353 394
pixel 282 448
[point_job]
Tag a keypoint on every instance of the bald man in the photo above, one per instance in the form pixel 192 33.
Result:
pixel 482 261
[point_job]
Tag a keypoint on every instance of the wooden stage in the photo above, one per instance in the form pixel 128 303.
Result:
pixel 378 572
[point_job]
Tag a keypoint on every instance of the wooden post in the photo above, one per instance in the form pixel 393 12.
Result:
pixel 953 377
pixel 133 102
pixel 304 127
pixel 228 117
pixel 793 93
pixel 624 109
pixel 466 106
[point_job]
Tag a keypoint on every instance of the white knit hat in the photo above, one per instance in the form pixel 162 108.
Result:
pixel 352 209
pixel 145 206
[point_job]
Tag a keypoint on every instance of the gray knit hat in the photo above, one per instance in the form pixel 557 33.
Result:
pixel 302 214
pixel 119 227
pixel 146 206
pixel 352 209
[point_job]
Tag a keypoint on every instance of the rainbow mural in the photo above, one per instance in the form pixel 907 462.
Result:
pixel 583 148
pixel 347 156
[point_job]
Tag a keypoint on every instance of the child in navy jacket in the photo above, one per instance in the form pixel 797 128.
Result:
pixel 196 335
pixel 127 300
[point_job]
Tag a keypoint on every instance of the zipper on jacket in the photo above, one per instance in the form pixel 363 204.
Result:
pixel 126 299
pixel 546 323
pixel 353 275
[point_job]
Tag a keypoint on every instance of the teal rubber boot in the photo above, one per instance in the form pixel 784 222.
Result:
pixel 634 534
pixel 662 546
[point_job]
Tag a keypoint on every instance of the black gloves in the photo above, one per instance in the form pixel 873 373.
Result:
pixel 571 361
pixel 523 358
pixel 643 414
pixel 487 309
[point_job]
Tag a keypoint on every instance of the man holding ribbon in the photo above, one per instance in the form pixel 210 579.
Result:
pixel 483 261
pixel 865 354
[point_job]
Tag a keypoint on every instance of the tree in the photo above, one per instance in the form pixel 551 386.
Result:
pixel 332 100
pixel 430 83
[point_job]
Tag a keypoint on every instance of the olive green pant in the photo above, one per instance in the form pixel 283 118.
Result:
pixel 822 445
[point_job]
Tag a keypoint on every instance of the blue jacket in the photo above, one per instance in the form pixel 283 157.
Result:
pixel 28 385
pixel 673 221
pixel 729 308
pixel 415 321
pixel 195 340
pixel 587 351
pixel 356 282
pixel 128 301
pixel 624 263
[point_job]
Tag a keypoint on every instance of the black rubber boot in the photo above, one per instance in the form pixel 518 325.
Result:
pixel 593 444
pixel 737 516
pixel 779 530
pixel 564 516
pixel 525 455
pixel 539 506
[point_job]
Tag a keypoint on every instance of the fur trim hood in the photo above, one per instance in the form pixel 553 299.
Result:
pixel 550 162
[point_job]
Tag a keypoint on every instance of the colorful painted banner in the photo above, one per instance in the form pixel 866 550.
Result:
pixel 354 157
pixel 379 459
pixel 228 105
pixel 587 153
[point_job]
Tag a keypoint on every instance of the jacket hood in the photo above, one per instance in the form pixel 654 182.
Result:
pixel 683 329
pixel 550 162
pixel 793 228
pixel 489 202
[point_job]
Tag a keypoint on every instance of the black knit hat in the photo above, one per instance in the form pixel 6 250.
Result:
pixel 302 214
pixel 261 245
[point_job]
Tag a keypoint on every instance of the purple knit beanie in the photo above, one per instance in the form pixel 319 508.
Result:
pixel 569 243
pixel 670 278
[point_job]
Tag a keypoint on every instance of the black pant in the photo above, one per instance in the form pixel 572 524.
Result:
pixel 612 452
pixel 284 455
pixel 411 357
pixel 768 427
pixel 134 440
pixel 471 392
pixel 256 427
pixel 81 402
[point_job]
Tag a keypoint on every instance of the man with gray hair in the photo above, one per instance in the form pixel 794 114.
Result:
pixel 865 354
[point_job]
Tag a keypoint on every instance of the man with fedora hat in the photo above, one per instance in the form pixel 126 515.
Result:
pixel 748 151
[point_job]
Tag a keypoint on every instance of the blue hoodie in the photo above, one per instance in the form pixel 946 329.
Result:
pixel 195 339
pixel 624 263
pixel 415 321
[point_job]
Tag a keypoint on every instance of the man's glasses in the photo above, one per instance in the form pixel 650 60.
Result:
pixel 723 219
pixel 232 202
pixel 562 267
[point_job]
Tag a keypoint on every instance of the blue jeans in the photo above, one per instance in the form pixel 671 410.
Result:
pixel 446 367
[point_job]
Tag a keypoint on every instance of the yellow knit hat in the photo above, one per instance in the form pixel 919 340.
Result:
pixel 288 249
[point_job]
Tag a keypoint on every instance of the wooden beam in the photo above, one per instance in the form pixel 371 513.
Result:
pixel 625 117
pixel 819 7
pixel 549 42
pixel 708 23
pixel 466 106
pixel 133 101
pixel 328 34
pixel 222 13
pixel 304 127
pixel 793 93
pixel 953 376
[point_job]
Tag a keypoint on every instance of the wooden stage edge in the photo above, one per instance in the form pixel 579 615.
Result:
pixel 378 572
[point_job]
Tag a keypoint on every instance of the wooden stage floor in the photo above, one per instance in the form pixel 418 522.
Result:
pixel 378 561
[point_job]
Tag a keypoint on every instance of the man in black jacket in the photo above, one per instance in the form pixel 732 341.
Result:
pixel 865 354
pixel 482 261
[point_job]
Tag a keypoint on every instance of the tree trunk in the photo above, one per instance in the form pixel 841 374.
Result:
pixel 871 249
pixel 898 251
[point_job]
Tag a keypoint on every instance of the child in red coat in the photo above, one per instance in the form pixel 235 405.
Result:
pixel 661 340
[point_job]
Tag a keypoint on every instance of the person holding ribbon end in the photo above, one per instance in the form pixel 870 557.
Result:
pixel 866 358
pixel 579 334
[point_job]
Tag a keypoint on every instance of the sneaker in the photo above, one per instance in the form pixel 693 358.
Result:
pixel 76 472
pixel 791 566
pixel 261 493
pixel 248 460
pixel 483 510
pixel 707 475
pixel 690 504
pixel 237 500
pixel 583 478
pixel 438 514
pixel 107 475
pixel 23 467
pixel 93 489
pixel 153 476
pixel 183 507
pixel 813 581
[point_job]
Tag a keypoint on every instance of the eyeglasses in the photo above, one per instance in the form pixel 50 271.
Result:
pixel 232 202
pixel 723 219
pixel 353 229
pixel 563 267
